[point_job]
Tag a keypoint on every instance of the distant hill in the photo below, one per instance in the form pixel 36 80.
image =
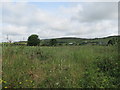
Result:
pixel 79 40
pixel 67 40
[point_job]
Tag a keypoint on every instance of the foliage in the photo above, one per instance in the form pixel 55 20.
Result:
pixel 110 42
pixel 53 42
pixel 82 41
pixel 33 40
pixel 113 41
pixel 60 67
pixel 103 73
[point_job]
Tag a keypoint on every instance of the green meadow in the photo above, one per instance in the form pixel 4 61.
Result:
pixel 60 67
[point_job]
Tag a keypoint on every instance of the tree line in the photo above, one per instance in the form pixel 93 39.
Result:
pixel 34 40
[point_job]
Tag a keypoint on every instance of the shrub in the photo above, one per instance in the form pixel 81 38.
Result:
pixel 53 42
pixel 102 73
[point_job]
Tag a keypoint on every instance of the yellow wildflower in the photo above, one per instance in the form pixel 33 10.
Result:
pixel 20 82
pixel 6 87
pixel 4 81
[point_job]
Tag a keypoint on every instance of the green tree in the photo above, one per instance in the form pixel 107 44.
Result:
pixel 110 42
pixel 53 42
pixel 33 40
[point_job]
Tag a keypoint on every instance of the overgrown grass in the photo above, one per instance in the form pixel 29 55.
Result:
pixel 60 67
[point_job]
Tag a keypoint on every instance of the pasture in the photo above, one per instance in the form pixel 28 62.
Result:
pixel 60 67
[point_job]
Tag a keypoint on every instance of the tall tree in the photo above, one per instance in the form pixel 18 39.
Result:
pixel 33 40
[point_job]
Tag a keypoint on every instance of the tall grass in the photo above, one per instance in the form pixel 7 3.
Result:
pixel 56 67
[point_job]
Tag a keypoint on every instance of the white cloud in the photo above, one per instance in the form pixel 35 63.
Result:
pixel 72 10
pixel 93 12
pixel 80 20
pixel 14 30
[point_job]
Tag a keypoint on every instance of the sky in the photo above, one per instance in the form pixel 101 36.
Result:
pixel 58 19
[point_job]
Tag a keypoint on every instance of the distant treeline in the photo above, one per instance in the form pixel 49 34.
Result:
pixel 113 40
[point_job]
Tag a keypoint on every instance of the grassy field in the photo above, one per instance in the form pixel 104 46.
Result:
pixel 60 67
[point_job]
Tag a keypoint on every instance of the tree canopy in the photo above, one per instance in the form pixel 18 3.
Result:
pixel 53 42
pixel 33 40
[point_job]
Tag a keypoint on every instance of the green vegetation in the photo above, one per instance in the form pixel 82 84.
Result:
pixel 60 67
pixel 81 41
pixel 112 40
pixel 33 40
pixel 53 42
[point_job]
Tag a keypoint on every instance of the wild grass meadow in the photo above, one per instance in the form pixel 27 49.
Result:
pixel 60 67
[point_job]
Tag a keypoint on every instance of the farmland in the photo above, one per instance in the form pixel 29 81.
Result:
pixel 59 44
pixel 60 67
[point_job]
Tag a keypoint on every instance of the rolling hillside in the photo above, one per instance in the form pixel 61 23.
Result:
pixel 67 40
pixel 80 40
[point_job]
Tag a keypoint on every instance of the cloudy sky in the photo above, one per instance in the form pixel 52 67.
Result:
pixel 59 19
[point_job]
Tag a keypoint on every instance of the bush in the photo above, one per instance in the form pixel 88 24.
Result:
pixel 53 42
pixel 103 73
pixel 110 67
